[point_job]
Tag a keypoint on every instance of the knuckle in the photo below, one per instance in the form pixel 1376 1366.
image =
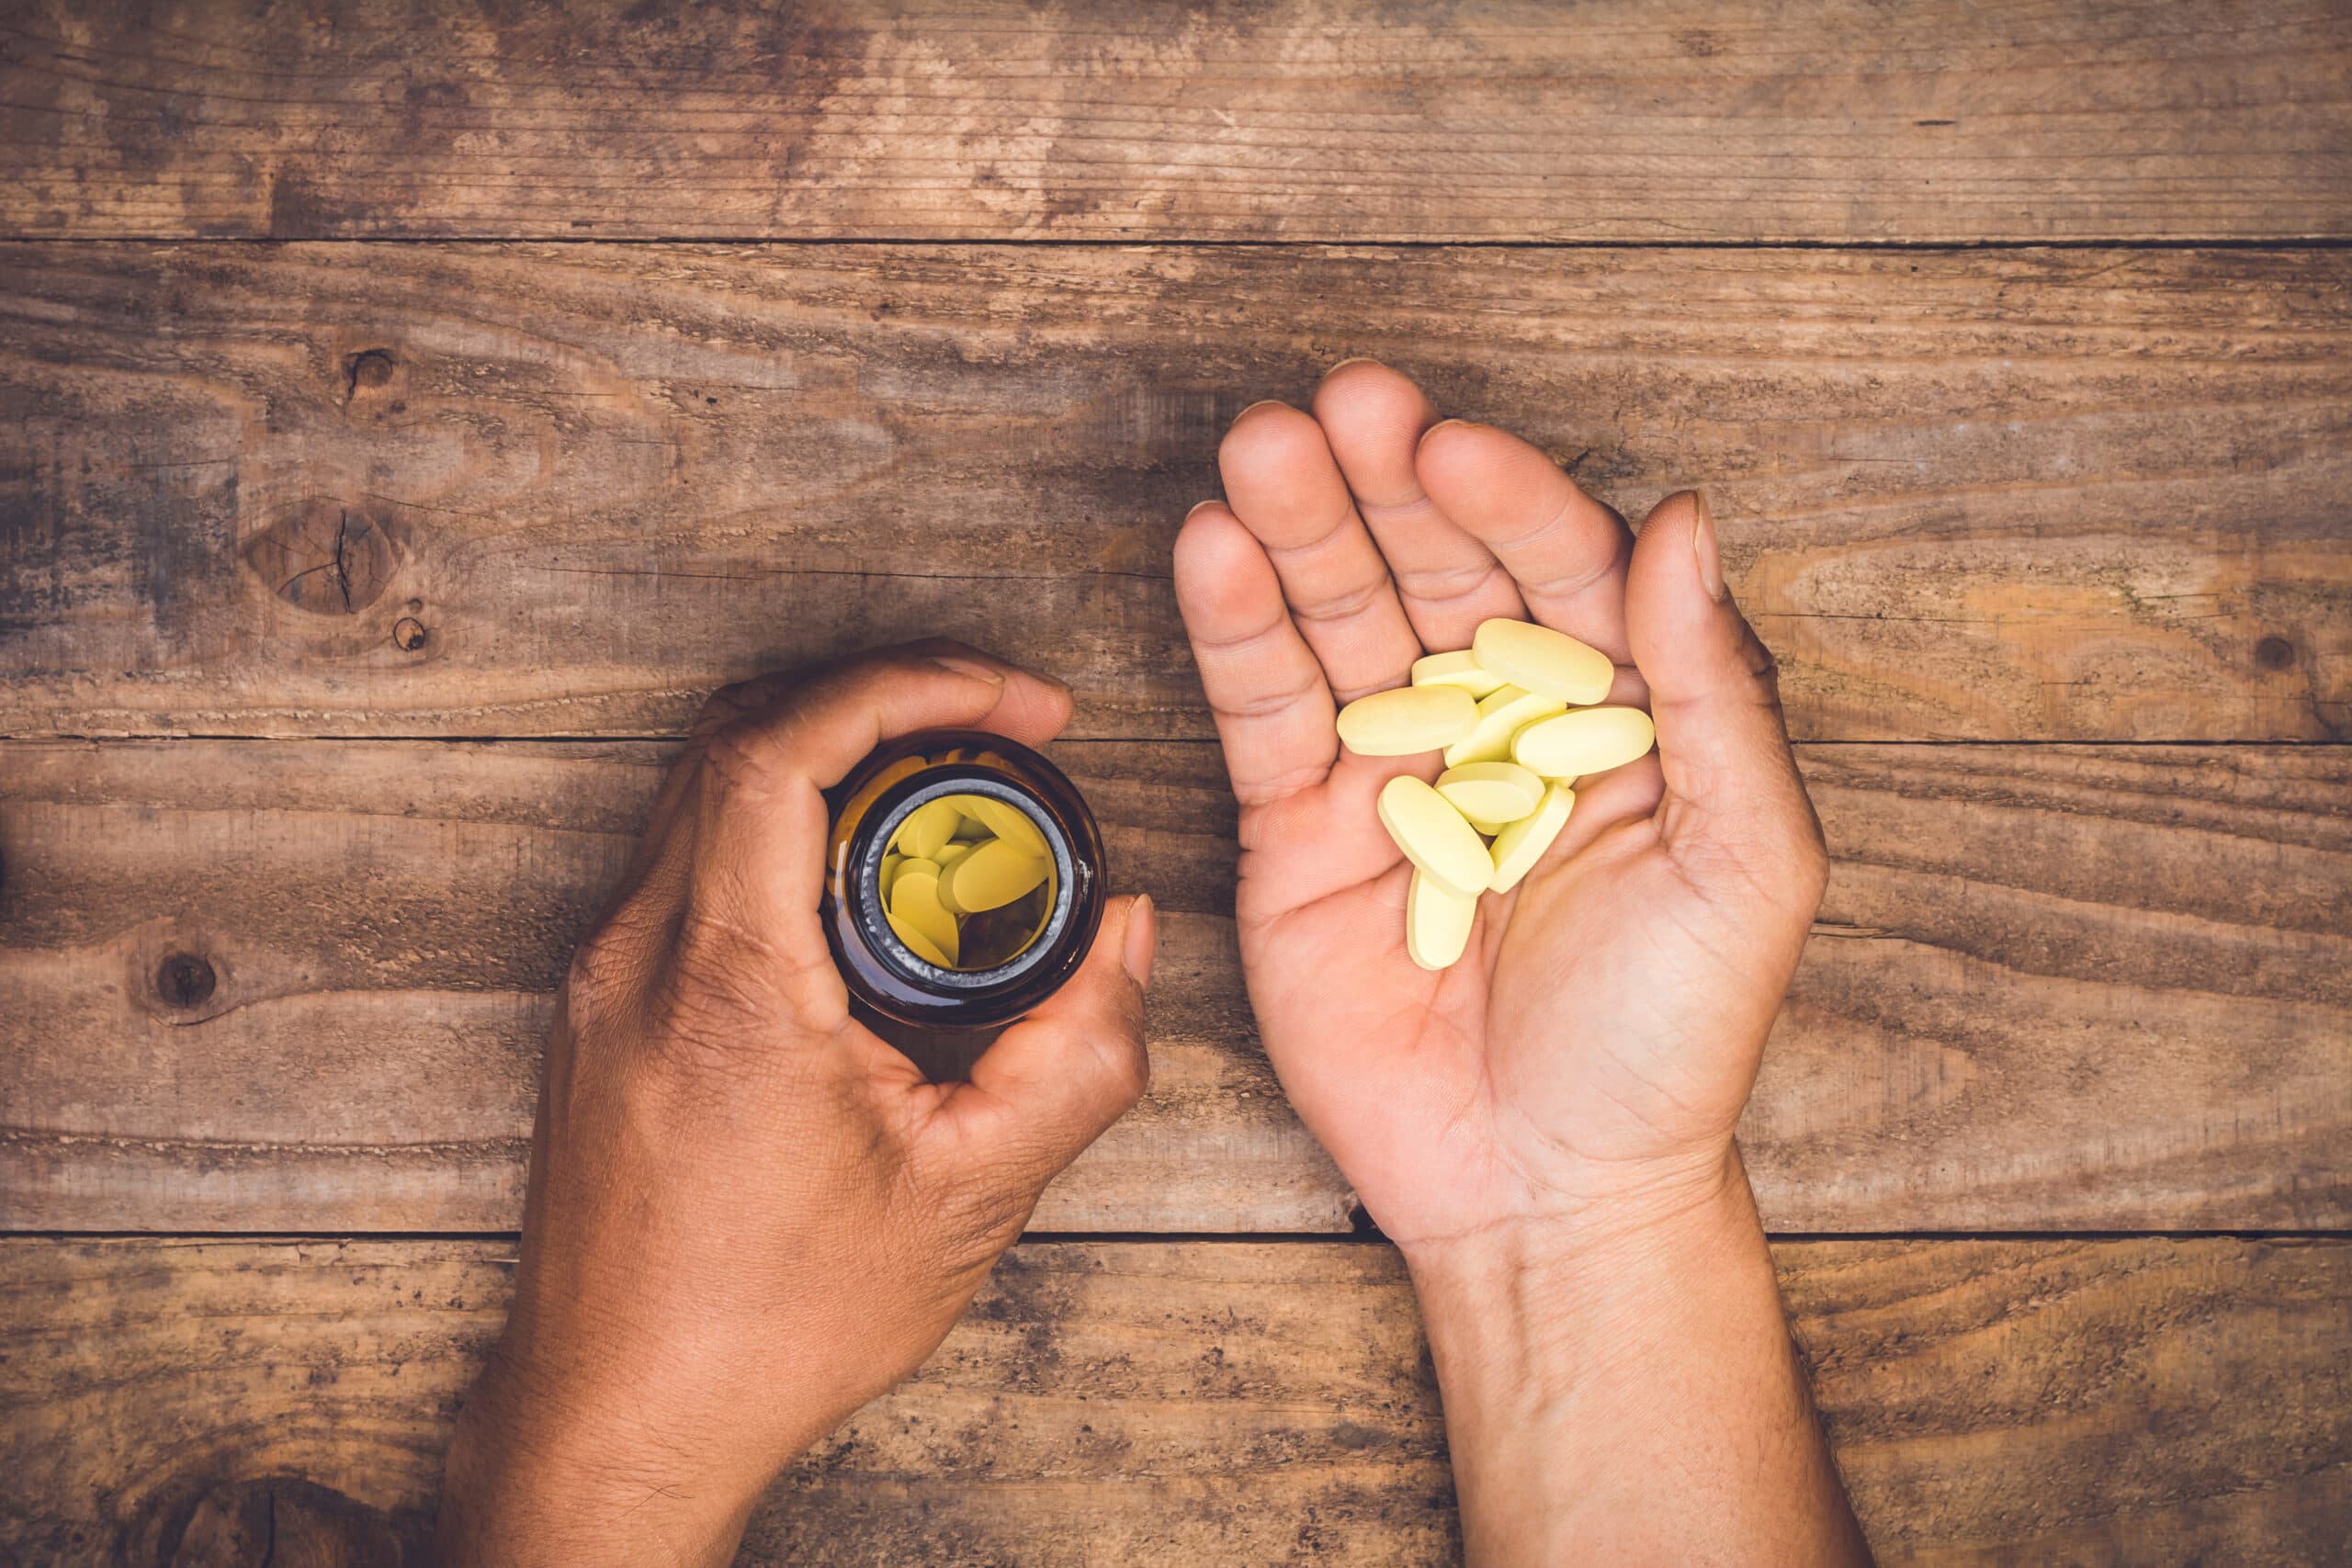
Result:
pixel 722 707
pixel 741 759
pixel 605 965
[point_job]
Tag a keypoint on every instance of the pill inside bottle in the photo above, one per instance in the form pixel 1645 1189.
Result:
pixel 964 886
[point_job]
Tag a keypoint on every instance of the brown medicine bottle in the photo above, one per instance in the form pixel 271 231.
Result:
pixel 1011 959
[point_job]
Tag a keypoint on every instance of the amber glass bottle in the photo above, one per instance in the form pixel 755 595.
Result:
pixel 1011 958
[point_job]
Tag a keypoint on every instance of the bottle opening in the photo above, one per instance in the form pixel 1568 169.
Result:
pixel 965 882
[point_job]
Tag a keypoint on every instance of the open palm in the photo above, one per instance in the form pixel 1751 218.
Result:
pixel 1603 1028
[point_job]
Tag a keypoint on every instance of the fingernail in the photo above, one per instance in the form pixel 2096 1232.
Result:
pixel 1703 545
pixel 1444 424
pixel 1197 506
pixel 1261 404
pixel 1343 365
pixel 972 666
pixel 1142 940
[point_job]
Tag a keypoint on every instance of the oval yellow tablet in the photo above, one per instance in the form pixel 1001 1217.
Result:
pixel 1454 670
pixel 992 875
pixel 1407 719
pixel 1550 663
pixel 915 902
pixel 1590 740
pixel 891 860
pixel 1433 835
pixel 917 943
pixel 1005 821
pixel 1436 921
pixel 956 850
pixel 908 865
pixel 1502 713
pixel 1487 829
pixel 1490 792
pixel 927 828
pixel 1521 843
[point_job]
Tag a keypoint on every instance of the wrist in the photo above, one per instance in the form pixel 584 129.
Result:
pixel 1538 1304
pixel 535 1476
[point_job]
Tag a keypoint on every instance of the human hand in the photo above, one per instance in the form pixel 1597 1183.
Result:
pixel 1596 1043
pixel 749 1215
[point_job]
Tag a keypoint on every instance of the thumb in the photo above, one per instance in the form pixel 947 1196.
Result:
pixel 1733 789
pixel 1049 1085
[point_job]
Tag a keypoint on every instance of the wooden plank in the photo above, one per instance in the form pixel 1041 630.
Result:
pixel 1495 119
pixel 302 985
pixel 2144 1401
pixel 489 490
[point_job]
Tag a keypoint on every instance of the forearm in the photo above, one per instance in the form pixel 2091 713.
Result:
pixel 1622 1389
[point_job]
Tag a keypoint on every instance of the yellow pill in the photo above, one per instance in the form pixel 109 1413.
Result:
pixel 1006 822
pixel 1433 835
pixel 1501 715
pixel 1550 663
pixel 917 943
pixel 1488 828
pixel 915 902
pixel 927 828
pixel 1454 670
pixel 992 875
pixel 1436 921
pixel 1521 843
pixel 908 865
pixel 956 850
pixel 1405 720
pixel 1490 792
pixel 1590 740
pixel 971 830
pixel 891 861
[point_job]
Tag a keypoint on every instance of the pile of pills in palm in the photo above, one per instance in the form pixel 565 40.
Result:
pixel 958 864
pixel 1515 715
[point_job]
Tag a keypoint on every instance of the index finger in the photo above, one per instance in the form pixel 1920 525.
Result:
pixel 1273 708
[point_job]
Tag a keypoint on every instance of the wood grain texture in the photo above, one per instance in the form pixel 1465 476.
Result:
pixel 1295 120
pixel 489 490
pixel 302 986
pixel 2059 1402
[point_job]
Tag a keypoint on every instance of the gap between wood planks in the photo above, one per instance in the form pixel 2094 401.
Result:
pixel 2307 243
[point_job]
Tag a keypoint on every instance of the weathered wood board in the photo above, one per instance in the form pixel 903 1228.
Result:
pixel 563 491
pixel 1298 120
pixel 2145 1401
pixel 302 986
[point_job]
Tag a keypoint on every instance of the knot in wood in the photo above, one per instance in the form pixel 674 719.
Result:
pixel 327 557
pixel 184 980
pixel 369 368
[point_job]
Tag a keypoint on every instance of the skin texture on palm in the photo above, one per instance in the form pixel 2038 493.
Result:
pixel 1546 1128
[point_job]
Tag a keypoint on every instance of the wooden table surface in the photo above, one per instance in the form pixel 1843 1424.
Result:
pixel 408 410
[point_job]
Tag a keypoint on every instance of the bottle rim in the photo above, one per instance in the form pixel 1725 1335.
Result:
pixel 931 784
